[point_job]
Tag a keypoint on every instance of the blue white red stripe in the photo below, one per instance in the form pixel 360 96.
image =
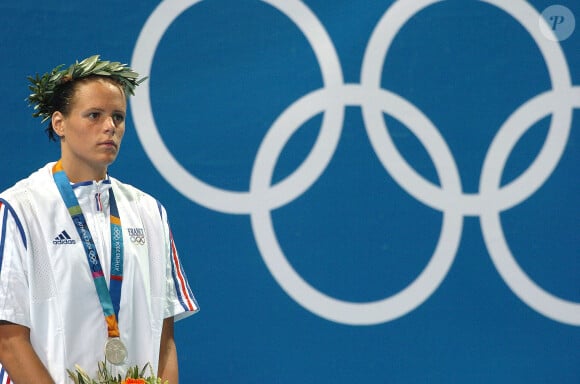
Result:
pixel 4 209
pixel 4 379
pixel 182 289
pixel 98 203
pixel 184 293
pixel 16 220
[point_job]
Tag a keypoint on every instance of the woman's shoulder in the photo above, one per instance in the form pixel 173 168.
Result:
pixel 37 183
pixel 135 195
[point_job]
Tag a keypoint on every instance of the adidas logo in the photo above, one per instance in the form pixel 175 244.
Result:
pixel 63 238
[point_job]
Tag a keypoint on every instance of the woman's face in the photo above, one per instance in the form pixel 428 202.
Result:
pixel 92 131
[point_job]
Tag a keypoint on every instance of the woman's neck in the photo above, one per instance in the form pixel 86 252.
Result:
pixel 77 172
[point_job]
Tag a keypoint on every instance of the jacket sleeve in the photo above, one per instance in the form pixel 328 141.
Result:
pixel 180 301
pixel 14 284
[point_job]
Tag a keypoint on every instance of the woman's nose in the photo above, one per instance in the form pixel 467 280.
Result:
pixel 110 125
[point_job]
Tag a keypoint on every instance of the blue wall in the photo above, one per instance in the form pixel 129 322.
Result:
pixel 361 191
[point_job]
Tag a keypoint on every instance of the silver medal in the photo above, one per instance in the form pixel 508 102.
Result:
pixel 115 351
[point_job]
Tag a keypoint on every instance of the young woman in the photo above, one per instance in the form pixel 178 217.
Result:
pixel 88 268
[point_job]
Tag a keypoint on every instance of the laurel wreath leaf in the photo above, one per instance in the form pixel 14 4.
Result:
pixel 42 87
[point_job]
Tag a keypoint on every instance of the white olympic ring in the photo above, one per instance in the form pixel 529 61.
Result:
pixel 331 99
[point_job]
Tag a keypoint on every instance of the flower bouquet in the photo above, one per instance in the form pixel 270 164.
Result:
pixel 104 376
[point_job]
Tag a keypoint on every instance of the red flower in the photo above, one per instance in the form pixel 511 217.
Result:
pixel 134 381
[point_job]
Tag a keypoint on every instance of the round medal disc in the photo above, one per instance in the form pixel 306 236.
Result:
pixel 115 351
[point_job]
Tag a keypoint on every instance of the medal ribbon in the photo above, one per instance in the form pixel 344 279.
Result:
pixel 110 298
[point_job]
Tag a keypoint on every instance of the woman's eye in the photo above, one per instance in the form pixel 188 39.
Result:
pixel 93 115
pixel 118 118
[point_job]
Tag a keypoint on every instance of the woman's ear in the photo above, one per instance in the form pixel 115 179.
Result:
pixel 57 120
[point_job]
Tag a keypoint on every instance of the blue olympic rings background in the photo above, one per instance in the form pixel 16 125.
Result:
pixel 360 191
